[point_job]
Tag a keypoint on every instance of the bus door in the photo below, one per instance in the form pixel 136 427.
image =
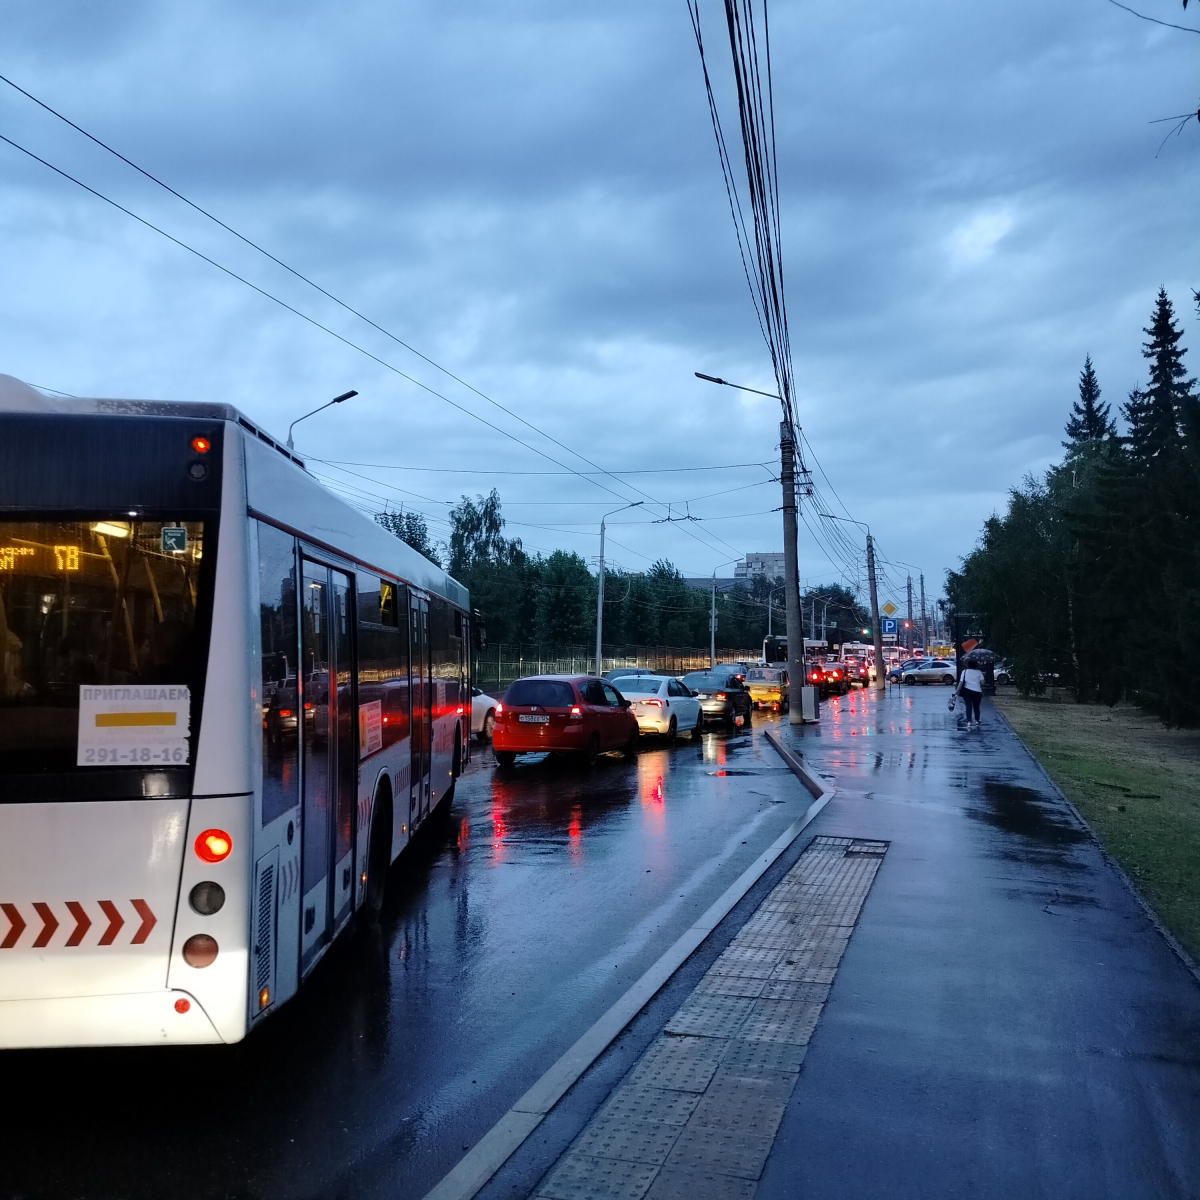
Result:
pixel 421 690
pixel 327 736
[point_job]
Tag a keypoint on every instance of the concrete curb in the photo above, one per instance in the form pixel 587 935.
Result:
pixel 504 1138
pixel 1180 953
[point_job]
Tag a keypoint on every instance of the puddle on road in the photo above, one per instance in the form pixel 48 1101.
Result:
pixel 1046 832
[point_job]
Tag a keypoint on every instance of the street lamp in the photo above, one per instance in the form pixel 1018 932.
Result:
pixel 791 566
pixel 336 400
pixel 880 672
pixel 600 589
pixel 712 614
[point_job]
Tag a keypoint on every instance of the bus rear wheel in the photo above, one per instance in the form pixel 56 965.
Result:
pixel 378 853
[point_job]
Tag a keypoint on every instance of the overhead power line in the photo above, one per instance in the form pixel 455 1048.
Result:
pixel 324 328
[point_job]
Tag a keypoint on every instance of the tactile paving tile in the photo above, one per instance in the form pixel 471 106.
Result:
pixel 745 1105
pixel 662 1106
pixel 791 989
pixel 730 985
pixel 745 960
pixel 627 1139
pixel 708 1096
pixel 692 1183
pixel 710 1016
pixel 742 1155
pixel 684 1064
pixel 750 1058
pixel 781 1021
pixel 579 1177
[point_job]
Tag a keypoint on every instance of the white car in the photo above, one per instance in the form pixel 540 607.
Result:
pixel 483 714
pixel 931 670
pixel 662 706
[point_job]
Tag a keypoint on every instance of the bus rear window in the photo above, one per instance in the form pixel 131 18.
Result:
pixel 102 610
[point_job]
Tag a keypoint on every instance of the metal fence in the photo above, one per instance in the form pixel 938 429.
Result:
pixel 497 666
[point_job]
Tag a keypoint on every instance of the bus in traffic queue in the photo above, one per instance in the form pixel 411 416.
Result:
pixel 227 702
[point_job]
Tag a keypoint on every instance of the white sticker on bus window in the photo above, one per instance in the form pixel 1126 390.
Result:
pixel 129 726
pixel 370 728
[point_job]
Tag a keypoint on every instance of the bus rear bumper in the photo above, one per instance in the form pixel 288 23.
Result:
pixel 140 1019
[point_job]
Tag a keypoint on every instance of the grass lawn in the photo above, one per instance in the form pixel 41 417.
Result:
pixel 1137 785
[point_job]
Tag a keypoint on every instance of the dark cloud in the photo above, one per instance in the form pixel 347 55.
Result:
pixel 529 194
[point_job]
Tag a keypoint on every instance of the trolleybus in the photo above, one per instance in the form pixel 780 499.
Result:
pixel 227 702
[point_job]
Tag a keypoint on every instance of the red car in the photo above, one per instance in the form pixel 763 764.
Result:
pixel 829 676
pixel 573 713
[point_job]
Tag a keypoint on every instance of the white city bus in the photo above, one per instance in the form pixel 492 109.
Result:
pixel 227 702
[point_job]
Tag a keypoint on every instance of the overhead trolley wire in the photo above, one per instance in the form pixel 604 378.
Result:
pixel 336 300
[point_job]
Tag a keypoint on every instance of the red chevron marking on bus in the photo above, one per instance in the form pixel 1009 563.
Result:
pixel 149 920
pixel 115 921
pixel 82 922
pixel 18 926
pixel 49 924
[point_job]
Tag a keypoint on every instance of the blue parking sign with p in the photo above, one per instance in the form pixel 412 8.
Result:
pixel 888 625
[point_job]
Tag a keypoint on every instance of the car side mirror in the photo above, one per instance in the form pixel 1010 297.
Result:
pixel 626 703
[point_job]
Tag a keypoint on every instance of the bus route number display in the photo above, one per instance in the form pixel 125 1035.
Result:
pixel 128 726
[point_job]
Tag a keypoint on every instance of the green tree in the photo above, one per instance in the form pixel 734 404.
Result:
pixel 410 527
pixel 1090 421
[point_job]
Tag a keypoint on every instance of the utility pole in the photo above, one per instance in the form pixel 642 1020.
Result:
pixel 712 624
pixel 880 666
pixel 600 587
pixel 791 566
pixel 924 622
pixel 909 636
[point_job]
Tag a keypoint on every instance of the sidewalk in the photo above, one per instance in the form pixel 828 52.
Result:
pixel 1004 1020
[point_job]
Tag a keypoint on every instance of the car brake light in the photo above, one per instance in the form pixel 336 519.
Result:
pixel 499 708
pixel 285 712
pixel 720 695
pixel 213 845
pixel 460 710
pixel 307 705
pixel 653 703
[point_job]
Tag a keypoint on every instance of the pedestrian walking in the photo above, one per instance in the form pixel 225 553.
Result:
pixel 970 688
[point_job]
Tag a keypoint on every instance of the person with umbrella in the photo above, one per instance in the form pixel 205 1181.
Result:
pixel 971 683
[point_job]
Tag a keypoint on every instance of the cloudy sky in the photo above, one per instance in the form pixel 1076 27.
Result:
pixel 528 194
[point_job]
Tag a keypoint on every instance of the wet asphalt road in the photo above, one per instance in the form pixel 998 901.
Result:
pixel 509 928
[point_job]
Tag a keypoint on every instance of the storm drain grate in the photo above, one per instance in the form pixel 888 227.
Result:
pixel 699 1112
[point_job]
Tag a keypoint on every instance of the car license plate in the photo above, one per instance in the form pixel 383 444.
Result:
pixel 531 719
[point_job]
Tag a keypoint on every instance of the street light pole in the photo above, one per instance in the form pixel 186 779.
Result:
pixel 336 400
pixel 600 588
pixel 880 666
pixel 791 564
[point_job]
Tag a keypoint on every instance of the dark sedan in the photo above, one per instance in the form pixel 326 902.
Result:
pixel 722 696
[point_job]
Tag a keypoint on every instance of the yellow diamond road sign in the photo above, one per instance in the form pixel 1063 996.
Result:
pixel 889 608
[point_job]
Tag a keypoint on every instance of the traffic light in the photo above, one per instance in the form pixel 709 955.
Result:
pixel 866 633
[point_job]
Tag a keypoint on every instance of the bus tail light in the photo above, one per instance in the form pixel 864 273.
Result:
pixel 213 845
pixel 182 1005
pixel 200 950
pixel 264 998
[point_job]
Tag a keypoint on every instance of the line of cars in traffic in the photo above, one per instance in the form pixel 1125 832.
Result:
pixel 587 715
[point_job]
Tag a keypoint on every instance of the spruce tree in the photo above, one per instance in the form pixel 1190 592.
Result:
pixel 1090 421
pixel 1154 412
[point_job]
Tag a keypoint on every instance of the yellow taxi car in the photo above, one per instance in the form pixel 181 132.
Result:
pixel 768 688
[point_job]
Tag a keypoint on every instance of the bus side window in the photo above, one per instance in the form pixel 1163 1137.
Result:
pixel 383 655
pixel 445 653
pixel 278 695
